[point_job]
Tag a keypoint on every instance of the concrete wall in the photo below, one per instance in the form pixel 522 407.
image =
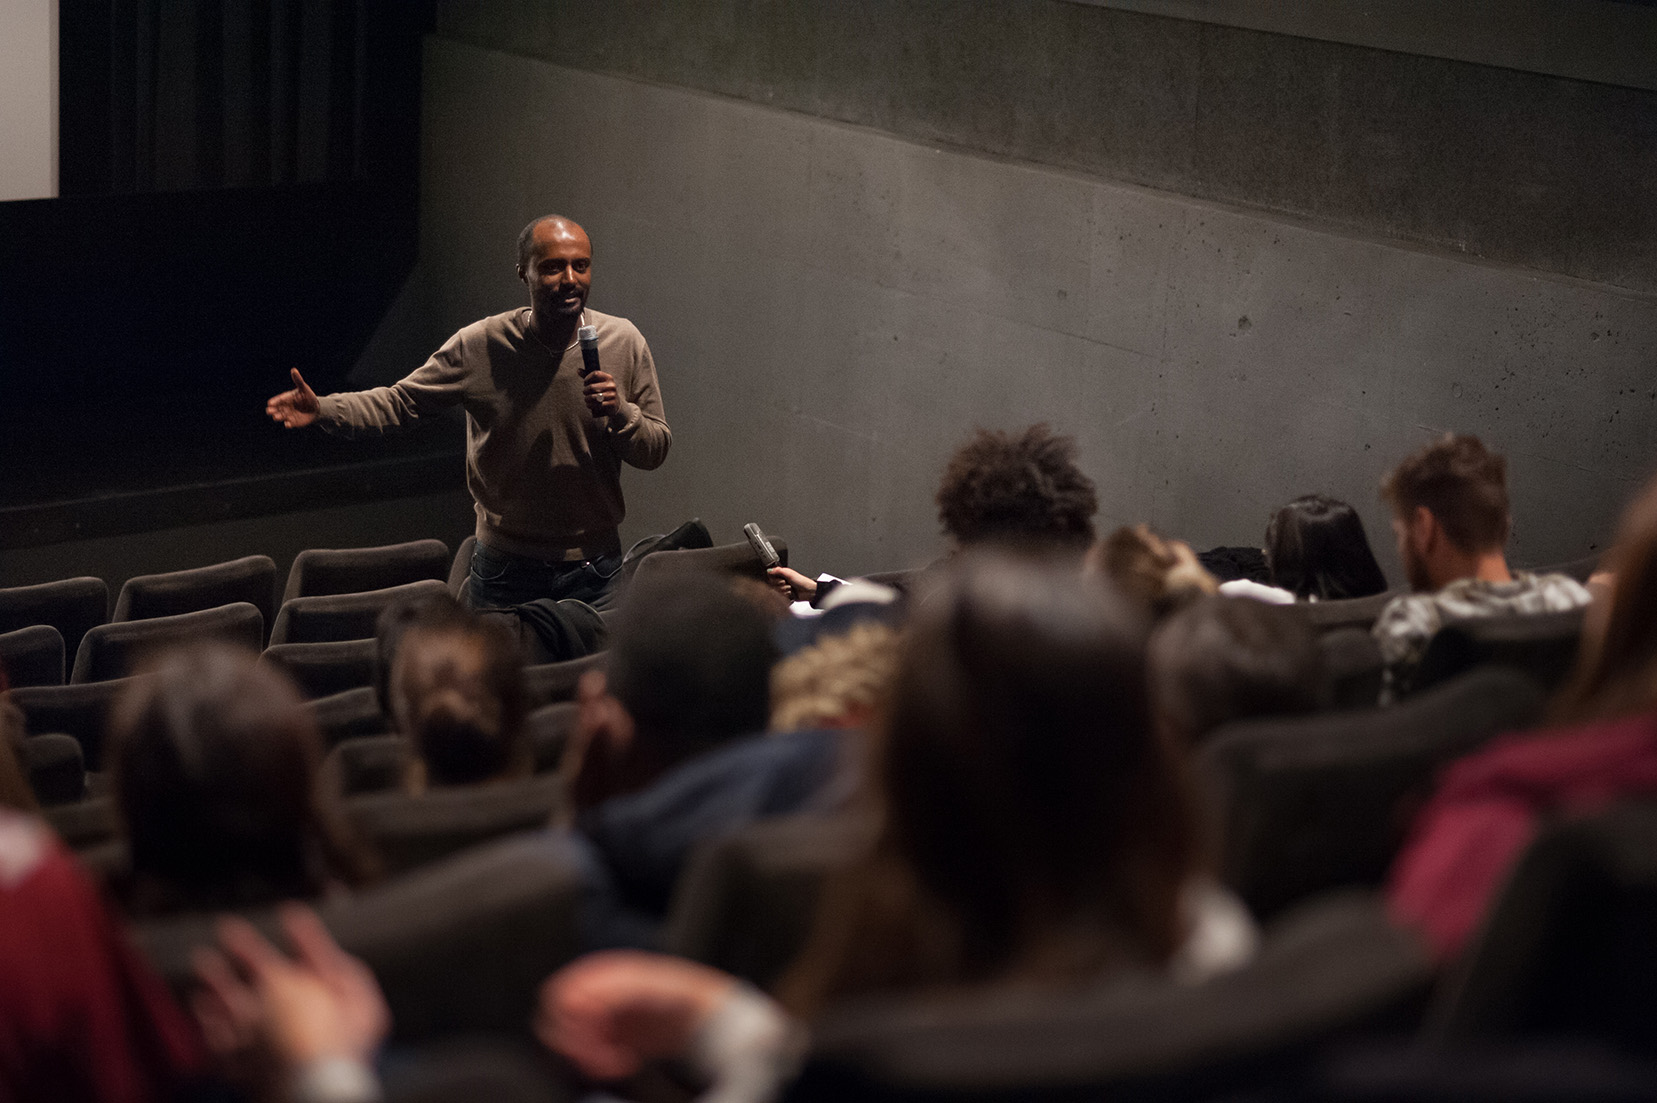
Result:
pixel 833 309
pixel 29 99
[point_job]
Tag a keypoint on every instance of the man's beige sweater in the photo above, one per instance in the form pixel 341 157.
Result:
pixel 545 473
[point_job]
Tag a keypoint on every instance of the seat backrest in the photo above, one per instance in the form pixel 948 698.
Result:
pixel 33 656
pixel 1543 645
pixel 1317 802
pixel 1568 947
pixel 549 730
pixel 461 569
pixel 71 605
pixel 460 947
pixel 409 830
pixel 747 901
pixel 732 558
pixel 367 764
pixel 1353 666
pixel 551 683
pixel 1351 612
pixel 1332 971
pixel 85 823
pixel 116 650
pixel 323 669
pixel 251 579
pixel 342 616
pixel 1580 569
pixel 78 710
pixel 317 572
pixel 348 715
pixel 56 768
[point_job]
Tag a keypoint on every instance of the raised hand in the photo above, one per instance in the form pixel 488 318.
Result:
pixel 296 408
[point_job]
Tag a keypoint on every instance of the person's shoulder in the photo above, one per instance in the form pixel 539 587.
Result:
pixel 1560 590
pixel 613 326
pixel 508 325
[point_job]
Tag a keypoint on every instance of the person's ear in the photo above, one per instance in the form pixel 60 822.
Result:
pixel 1425 533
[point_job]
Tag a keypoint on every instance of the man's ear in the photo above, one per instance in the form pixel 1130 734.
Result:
pixel 1425 533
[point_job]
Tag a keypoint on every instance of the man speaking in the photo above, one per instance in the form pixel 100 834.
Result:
pixel 546 432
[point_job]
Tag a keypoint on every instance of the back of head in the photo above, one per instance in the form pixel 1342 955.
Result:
pixel 1164 575
pixel 690 660
pixel 215 757
pixel 394 621
pixel 457 692
pixel 837 681
pixel 1316 548
pixel 1616 672
pixel 1032 819
pixel 1023 491
pixel 1224 659
pixel 1462 483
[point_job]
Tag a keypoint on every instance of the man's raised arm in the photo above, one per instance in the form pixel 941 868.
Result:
pixel 436 385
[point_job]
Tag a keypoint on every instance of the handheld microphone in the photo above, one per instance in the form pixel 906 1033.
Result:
pixel 589 349
pixel 762 547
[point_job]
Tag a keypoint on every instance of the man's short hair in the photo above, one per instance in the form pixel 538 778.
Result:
pixel 526 236
pixel 691 660
pixel 1462 483
pixel 1021 490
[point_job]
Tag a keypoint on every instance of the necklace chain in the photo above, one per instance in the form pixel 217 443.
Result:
pixel 535 332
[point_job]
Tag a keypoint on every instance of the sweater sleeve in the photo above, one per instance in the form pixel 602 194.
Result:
pixel 434 386
pixel 638 430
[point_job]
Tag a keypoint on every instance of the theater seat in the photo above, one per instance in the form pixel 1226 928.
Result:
pixel 342 616
pixel 116 650
pixel 367 764
pixel 1355 612
pixel 85 824
pixel 1570 945
pixel 72 606
pixel 1335 970
pixel 551 683
pixel 353 713
pixel 1580 569
pixel 460 947
pixel 747 900
pixel 33 656
pixel 1542 645
pixel 1311 803
pixel 81 711
pixel 409 830
pixel 1353 665
pixel 323 669
pixel 736 559
pixel 461 569
pixel 318 572
pixel 549 729
pixel 56 768
pixel 251 579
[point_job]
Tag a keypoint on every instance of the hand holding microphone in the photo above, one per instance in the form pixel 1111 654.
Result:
pixel 598 388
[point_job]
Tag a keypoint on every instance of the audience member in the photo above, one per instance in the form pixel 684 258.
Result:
pixel 1316 550
pixel 1224 659
pixel 395 620
pixel 1163 575
pixel 457 693
pixel 671 750
pixel 215 760
pixel 1034 828
pixel 836 682
pixel 1489 805
pixel 1450 514
pixel 1022 491
pixel 83 1017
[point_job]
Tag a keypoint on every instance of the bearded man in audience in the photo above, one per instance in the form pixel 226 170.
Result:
pixel 1451 517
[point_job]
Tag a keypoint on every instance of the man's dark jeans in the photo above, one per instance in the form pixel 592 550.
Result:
pixel 500 579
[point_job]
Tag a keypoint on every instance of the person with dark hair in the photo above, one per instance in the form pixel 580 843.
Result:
pixel 1225 659
pixel 1450 514
pixel 457 694
pixel 1034 829
pixel 1317 550
pixel 671 749
pixel 1603 748
pixel 215 759
pixel 393 623
pixel 1011 490
pixel 545 438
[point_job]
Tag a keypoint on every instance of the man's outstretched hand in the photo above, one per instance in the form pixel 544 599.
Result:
pixel 296 408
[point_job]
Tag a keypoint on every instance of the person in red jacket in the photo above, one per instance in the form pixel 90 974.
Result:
pixel 1603 747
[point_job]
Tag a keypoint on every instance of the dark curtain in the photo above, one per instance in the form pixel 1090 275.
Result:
pixel 175 95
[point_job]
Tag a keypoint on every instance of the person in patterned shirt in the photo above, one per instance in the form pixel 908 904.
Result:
pixel 1450 515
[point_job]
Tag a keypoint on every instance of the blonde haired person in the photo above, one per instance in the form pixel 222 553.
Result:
pixel 836 682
